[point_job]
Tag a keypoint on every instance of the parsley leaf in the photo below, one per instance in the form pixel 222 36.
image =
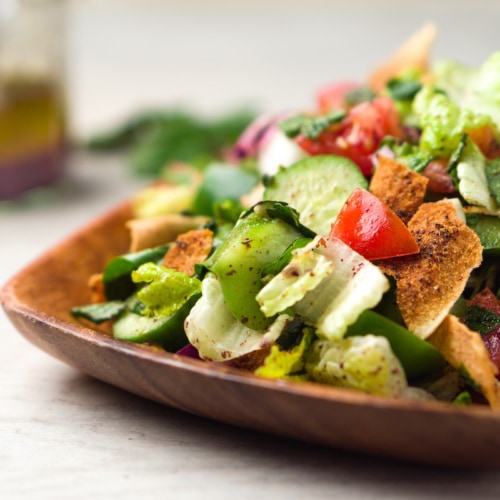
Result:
pixel 98 313
pixel 401 89
pixel 481 320
pixel 310 127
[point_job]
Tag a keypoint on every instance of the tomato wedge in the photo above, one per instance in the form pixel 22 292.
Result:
pixel 372 229
pixel 359 134
pixel 333 96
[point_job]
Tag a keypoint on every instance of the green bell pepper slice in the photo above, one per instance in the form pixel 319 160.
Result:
pixel 418 357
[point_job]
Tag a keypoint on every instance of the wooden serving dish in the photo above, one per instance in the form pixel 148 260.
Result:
pixel 38 301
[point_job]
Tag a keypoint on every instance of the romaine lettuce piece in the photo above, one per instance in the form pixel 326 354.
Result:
pixel 443 121
pixel 453 77
pixel 217 334
pixel 284 363
pixel 167 290
pixel 326 283
pixel 472 179
pixel 354 286
pixel 304 272
pixel 365 363
pixel 474 89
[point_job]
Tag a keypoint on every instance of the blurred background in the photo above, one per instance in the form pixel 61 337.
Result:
pixel 217 54
pixel 96 63
pixel 117 58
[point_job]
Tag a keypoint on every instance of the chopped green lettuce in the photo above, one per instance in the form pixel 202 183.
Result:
pixel 443 121
pixel 305 271
pixel 364 363
pixel 217 334
pixel 463 399
pixel 453 77
pixel 167 290
pixel 354 285
pixel 277 265
pixel 285 363
pixel 474 89
pixel 472 179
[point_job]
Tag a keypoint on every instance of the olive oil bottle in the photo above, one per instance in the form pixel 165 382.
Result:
pixel 32 109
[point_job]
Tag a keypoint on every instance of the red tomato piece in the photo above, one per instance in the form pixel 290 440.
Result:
pixel 359 134
pixel 333 96
pixel 372 229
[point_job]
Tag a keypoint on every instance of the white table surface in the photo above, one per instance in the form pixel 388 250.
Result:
pixel 64 435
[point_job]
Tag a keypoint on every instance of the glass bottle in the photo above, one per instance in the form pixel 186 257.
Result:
pixel 32 110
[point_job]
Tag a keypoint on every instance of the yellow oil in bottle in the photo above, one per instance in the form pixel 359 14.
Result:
pixel 31 135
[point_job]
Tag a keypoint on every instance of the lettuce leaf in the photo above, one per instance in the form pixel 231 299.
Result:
pixel 354 286
pixel 475 89
pixel 167 290
pixel 304 272
pixel 443 121
pixel 326 283
pixel 364 363
pixel 472 178
pixel 459 99
pixel 217 334
pixel 284 363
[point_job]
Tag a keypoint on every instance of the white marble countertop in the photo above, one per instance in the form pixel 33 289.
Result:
pixel 64 435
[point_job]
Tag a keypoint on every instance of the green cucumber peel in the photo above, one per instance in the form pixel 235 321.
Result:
pixel 239 260
pixel 165 331
pixel 117 279
pixel 317 188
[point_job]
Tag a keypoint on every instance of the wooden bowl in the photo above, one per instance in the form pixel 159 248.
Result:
pixel 38 302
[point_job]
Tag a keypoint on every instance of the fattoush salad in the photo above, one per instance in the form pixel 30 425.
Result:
pixel 354 244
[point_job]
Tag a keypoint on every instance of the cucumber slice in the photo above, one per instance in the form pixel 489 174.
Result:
pixel 166 331
pixel 317 188
pixel 255 242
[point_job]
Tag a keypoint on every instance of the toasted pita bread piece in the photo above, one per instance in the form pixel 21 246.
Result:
pixel 430 282
pixel 400 188
pixel 414 53
pixel 189 249
pixel 464 348
pixel 96 285
pixel 154 231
